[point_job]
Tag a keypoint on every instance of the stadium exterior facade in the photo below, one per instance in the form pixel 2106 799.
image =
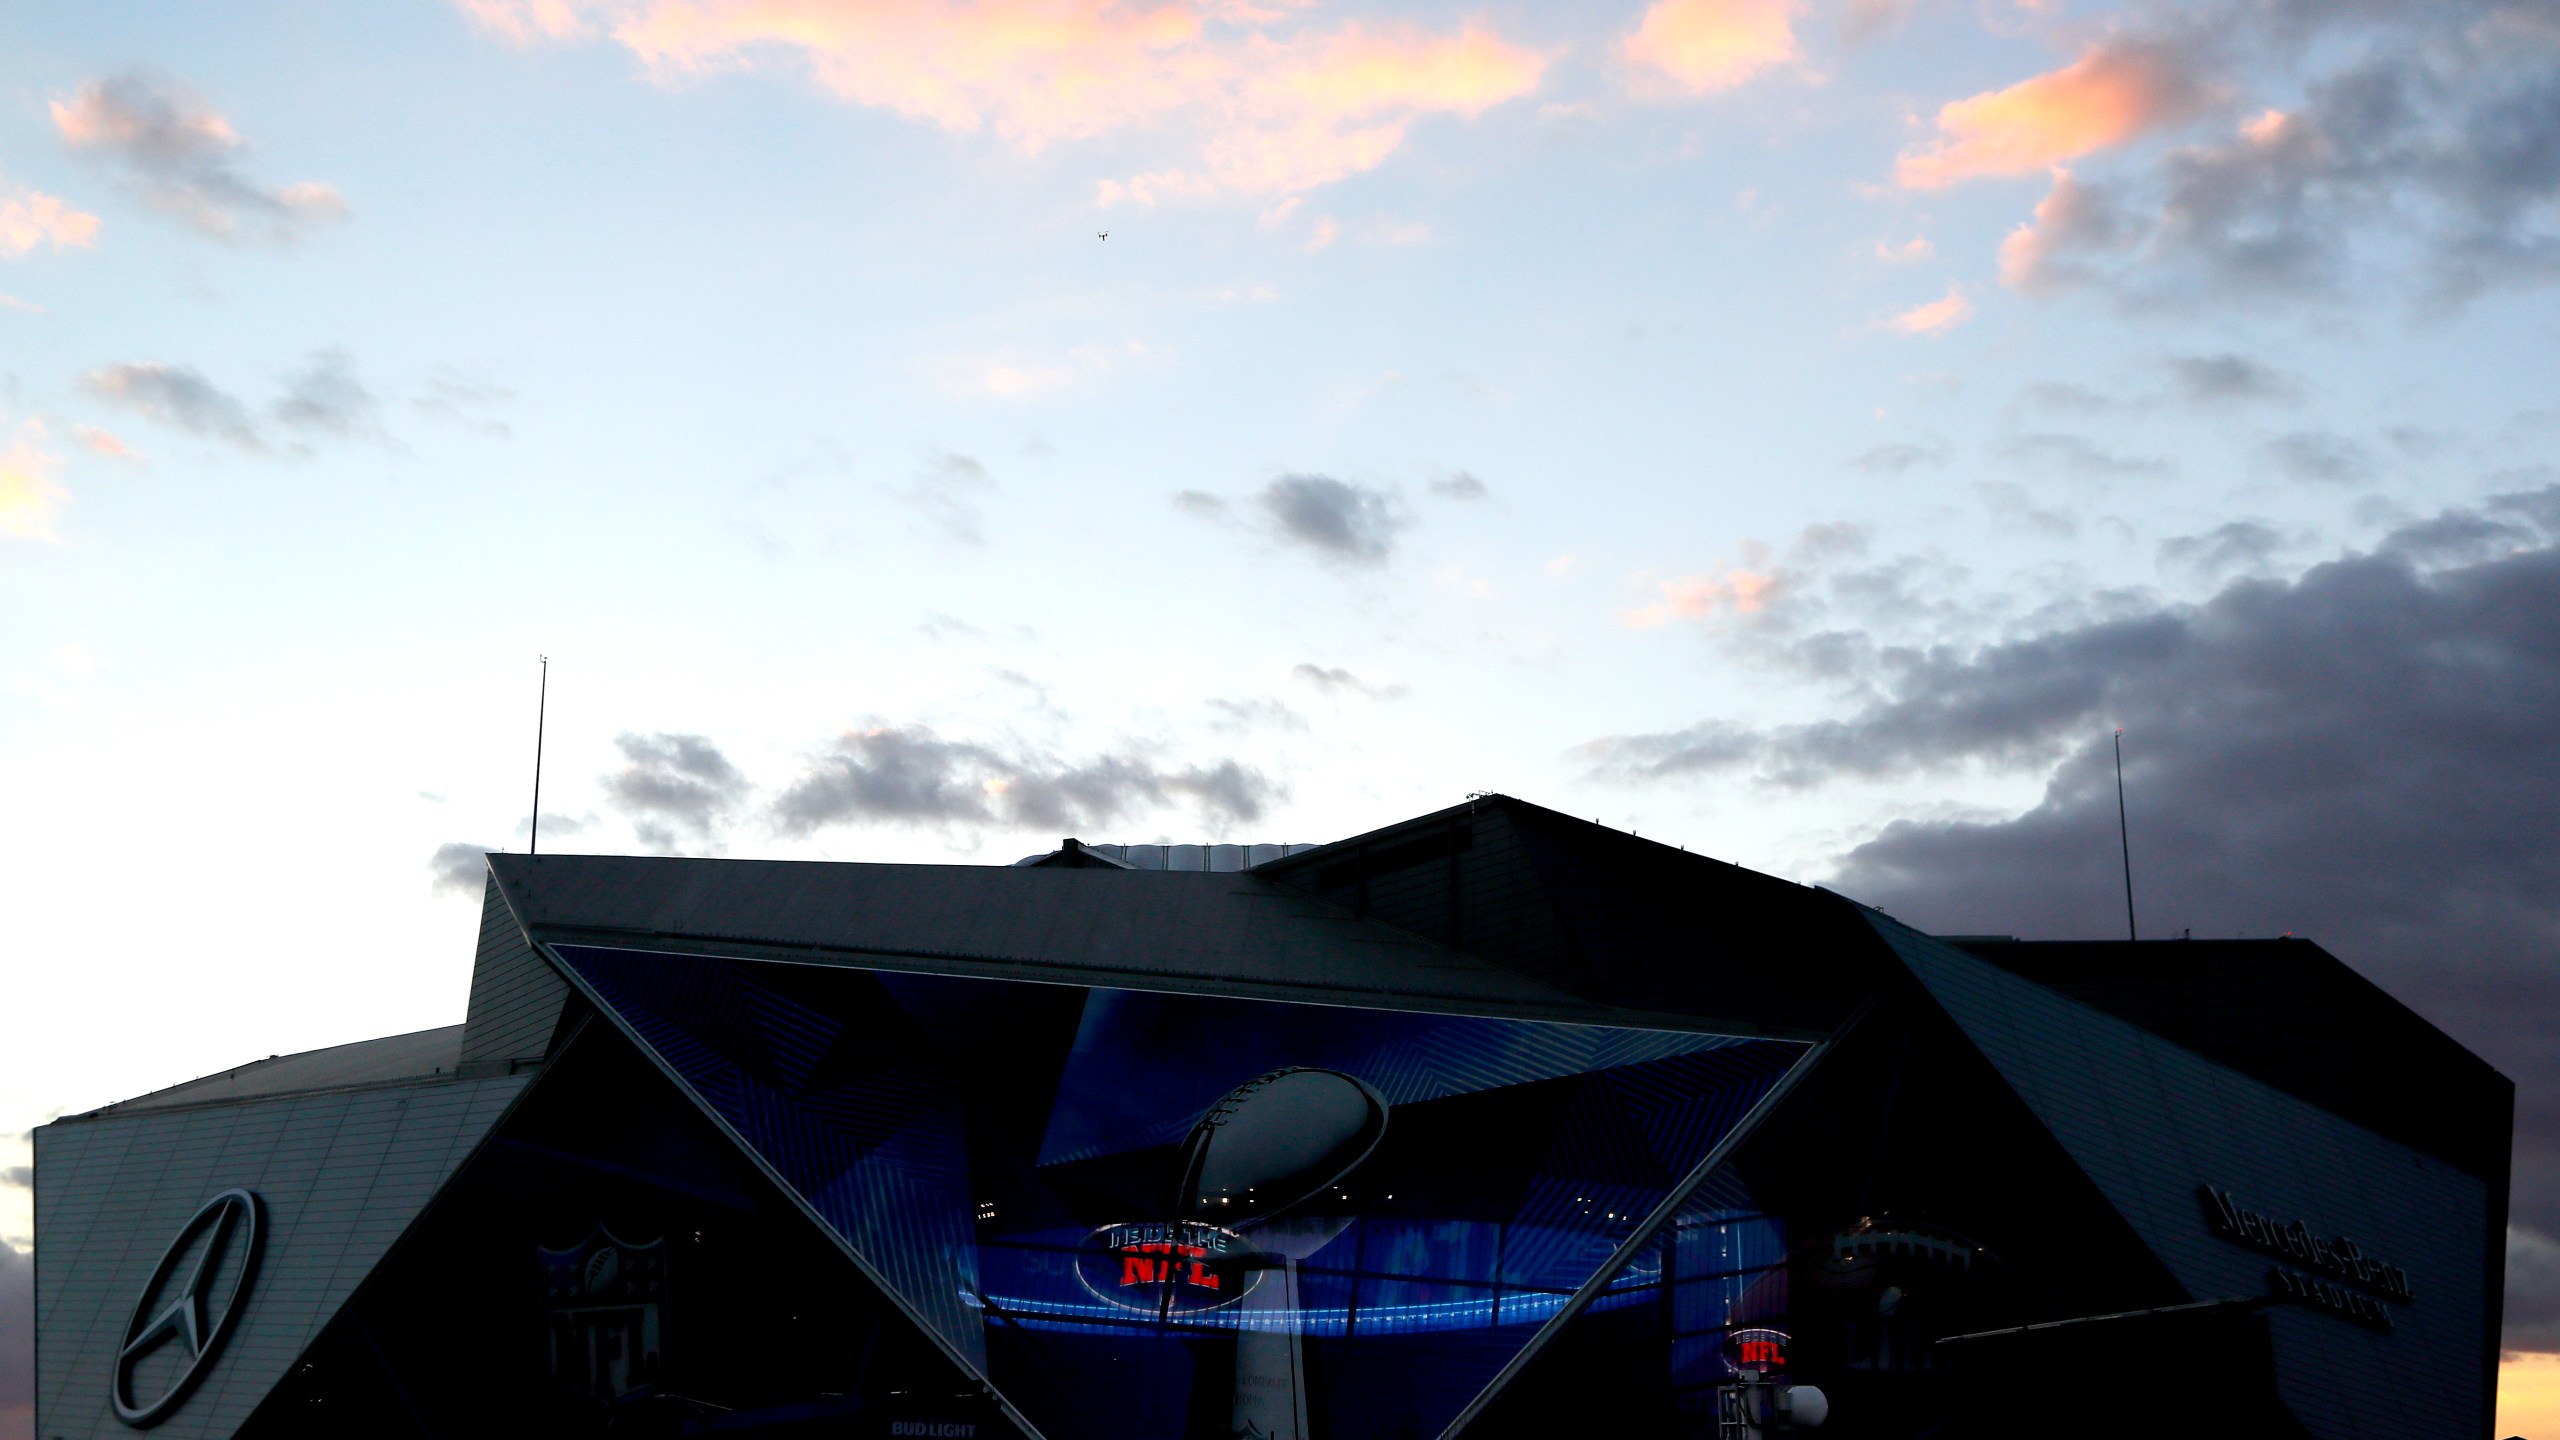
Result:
pixel 1492 1122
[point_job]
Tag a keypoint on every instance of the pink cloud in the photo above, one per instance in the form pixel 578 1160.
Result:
pixel 99 441
pixel 2106 97
pixel 183 154
pixel 1703 597
pixel 1705 45
pixel 1938 316
pixel 29 219
pixel 1269 114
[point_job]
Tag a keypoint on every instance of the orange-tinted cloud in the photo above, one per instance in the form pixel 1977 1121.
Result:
pixel 1703 597
pixel 2069 217
pixel 2106 97
pixel 1938 316
pixel 99 441
pixel 1705 45
pixel 1271 114
pixel 29 496
pixel 29 219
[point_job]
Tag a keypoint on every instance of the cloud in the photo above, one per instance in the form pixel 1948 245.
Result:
pixel 909 775
pixel 673 786
pixel 104 443
pixel 465 404
pixel 2011 502
pixel 458 868
pixel 180 152
pixel 1704 597
pixel 2113 93
pixel 2533 1290
pixel 2367 753
pixel 2320 457
pixel 1459 485
pixel 1334 680
pixel 178 396
pixel 1896 456
pixel 2228 378
pixel 2071 217
pixel 1336 519
pixel 30 497
pixel 29 218
pixel 2079 455
pixel 2414 159
pixel 1937 316
pixel 1264 108
pixel 2065 397
pixel 1260 712
pixel 22 305
pixel 1710 45
pixel 2237 547
pixel 944 497
pixel 17 1334
pixel 325 398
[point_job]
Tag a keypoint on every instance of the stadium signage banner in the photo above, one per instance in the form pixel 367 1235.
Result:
pixel 2335 1259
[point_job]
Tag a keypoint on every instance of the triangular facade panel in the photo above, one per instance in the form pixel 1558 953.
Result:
pixel 2154 1125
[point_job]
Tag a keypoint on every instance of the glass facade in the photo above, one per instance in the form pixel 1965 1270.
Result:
pixel 1154 1215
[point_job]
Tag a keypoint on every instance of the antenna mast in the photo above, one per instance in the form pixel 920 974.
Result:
pixel 541 709
pixel 2124 840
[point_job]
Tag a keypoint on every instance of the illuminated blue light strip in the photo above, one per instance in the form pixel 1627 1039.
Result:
pixel 1095 1318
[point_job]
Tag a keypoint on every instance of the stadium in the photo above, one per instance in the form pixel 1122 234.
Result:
pixel 1492 1122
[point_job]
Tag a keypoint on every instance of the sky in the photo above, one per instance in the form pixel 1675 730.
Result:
pixel 1803 430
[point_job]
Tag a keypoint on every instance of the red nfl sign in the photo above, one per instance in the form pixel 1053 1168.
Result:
pixel 1168 1268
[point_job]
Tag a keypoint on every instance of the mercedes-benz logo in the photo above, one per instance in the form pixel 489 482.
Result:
pixel 185 1320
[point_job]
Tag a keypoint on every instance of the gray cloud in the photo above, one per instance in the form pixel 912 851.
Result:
pixel 1334 518
pixel 673 786
pixel 2076 220
pixel 22 1177
pixel 459 869
pixel 2533 1290
pixel 465 404
pixel 2234 548
pixel 2228 378
pixel 17 1334
pixel 909 775
pixel 2078 455
pixel 945 497
pixel 178 396
pixel 2368 753
pixel 1459 485
pixel 325 398
pixel 2014 504
pixel 1896 456
pixel 1333 680
pixel 2066 398
pixel 181 154
pixel 1258 713
pixel 557 825
pixel 2320 457
pixel 2422 157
